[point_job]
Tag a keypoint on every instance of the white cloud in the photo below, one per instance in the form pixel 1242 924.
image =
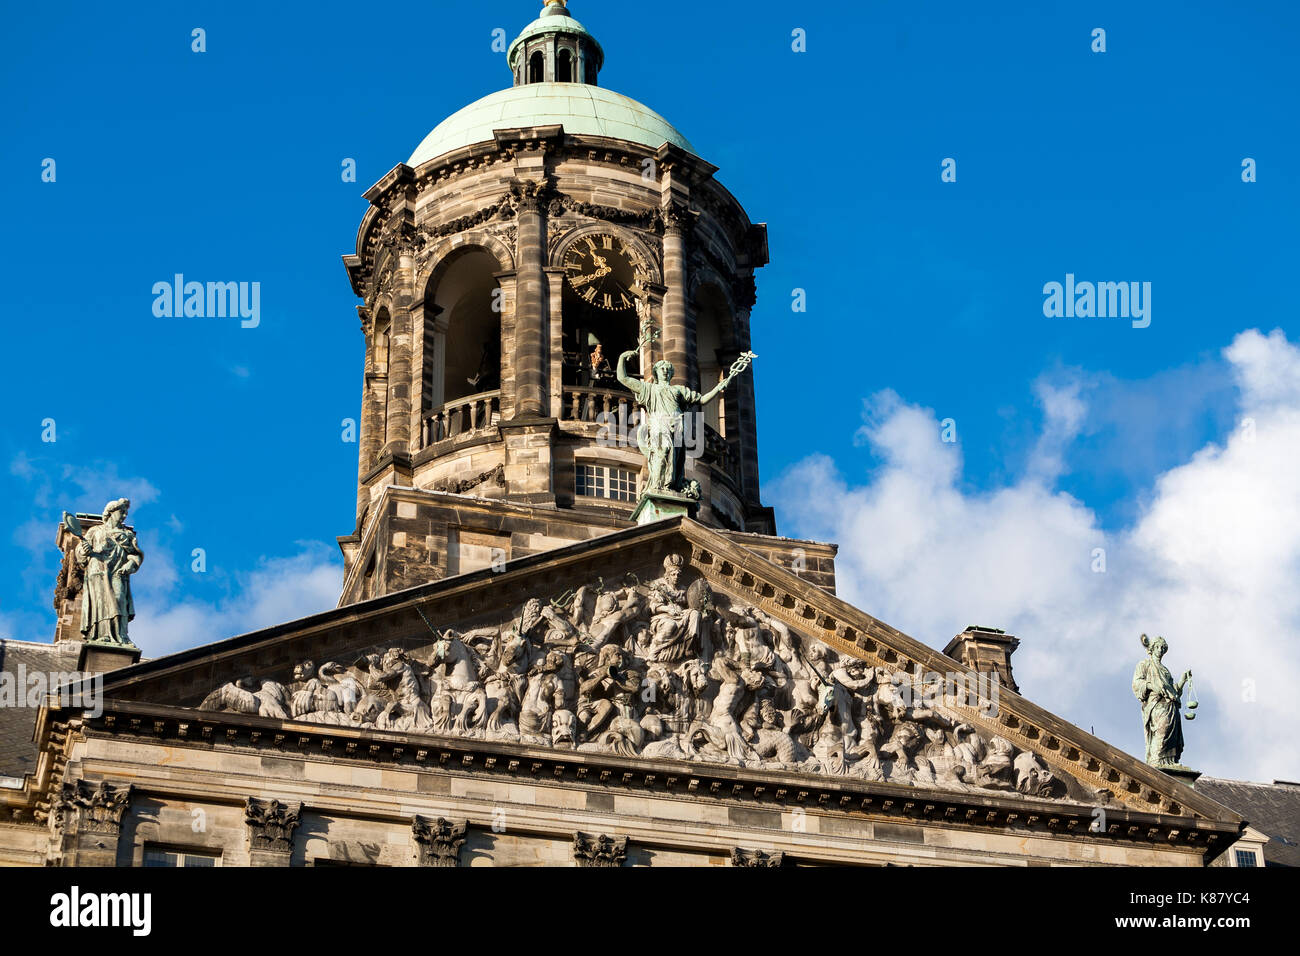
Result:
pixel 1210 562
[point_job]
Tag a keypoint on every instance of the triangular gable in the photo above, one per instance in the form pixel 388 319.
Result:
pixel 848 720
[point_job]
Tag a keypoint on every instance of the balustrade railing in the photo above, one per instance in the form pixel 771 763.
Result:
pixel 462 416
pixel 589 404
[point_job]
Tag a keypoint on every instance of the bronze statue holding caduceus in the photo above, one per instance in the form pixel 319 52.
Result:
pixel 663 405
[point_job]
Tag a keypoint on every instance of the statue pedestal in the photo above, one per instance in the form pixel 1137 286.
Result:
pixel 661 505
pixel 1182 774
pixel 102 658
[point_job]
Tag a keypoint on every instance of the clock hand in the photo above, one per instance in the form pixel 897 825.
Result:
pixel 583 280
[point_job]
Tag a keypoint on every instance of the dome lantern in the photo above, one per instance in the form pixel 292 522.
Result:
pixel 555 48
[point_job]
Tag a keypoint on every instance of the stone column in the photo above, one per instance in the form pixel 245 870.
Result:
pixel 371 438
pixel 508 281
pixel 555 367
pixel 398 442
pixel 742 409
pixel 270 831
pixel 419 362
pixel 678 336
pixel 531 304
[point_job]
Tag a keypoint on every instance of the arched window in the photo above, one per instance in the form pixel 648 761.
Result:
pixel 462 340
pixel 564 69
pixel 536 68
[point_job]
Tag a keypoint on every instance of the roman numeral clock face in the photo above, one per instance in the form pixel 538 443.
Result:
pixel 602 271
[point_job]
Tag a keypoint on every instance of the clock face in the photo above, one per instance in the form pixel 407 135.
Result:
pixel 602 271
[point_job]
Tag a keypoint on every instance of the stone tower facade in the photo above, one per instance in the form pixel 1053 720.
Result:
pixel 500 269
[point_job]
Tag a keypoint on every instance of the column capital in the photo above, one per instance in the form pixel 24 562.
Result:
pixel 271 824
pixel 438 840
pixel 679 219
pixel 599 851
pixel 532 195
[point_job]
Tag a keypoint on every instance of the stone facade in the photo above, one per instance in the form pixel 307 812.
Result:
pixel 518 675
pixel 213 776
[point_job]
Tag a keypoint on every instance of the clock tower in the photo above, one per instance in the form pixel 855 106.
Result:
pixel 532 238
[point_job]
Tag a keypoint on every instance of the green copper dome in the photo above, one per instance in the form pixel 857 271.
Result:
pixel 580 108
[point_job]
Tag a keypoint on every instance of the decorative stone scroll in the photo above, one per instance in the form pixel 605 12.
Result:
pixel 663 667
pixel 599 850
pixel 438 840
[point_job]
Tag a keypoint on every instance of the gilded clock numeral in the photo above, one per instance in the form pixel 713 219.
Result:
pixel 590 294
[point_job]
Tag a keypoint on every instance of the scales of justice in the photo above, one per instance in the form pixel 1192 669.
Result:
pixel 660 435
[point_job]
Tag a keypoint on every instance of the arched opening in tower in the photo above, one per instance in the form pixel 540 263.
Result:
pixel 462 329
pixel 536 68
pixel 712 331
pixel 564 67
pixel 594 338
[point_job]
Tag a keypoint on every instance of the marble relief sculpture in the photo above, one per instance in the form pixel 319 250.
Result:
pixel 667 669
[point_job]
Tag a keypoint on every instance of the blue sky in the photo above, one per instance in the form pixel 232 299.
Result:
pixel 225 165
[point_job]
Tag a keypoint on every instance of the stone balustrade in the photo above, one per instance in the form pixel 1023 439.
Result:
pixel 462 416
pixel 589 404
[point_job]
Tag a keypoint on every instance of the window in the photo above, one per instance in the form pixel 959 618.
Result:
pixel 1247 858
pixel 564 69
pixel 600 481
pixel 536 68
pixel 157 856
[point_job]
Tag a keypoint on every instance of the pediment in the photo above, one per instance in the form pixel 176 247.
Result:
pixel 667 642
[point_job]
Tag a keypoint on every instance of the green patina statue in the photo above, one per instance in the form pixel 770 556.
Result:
pixel 662 435
pixel 1160 697
pixel 109 554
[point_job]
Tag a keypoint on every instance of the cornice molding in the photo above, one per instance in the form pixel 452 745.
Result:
pixel 773 789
